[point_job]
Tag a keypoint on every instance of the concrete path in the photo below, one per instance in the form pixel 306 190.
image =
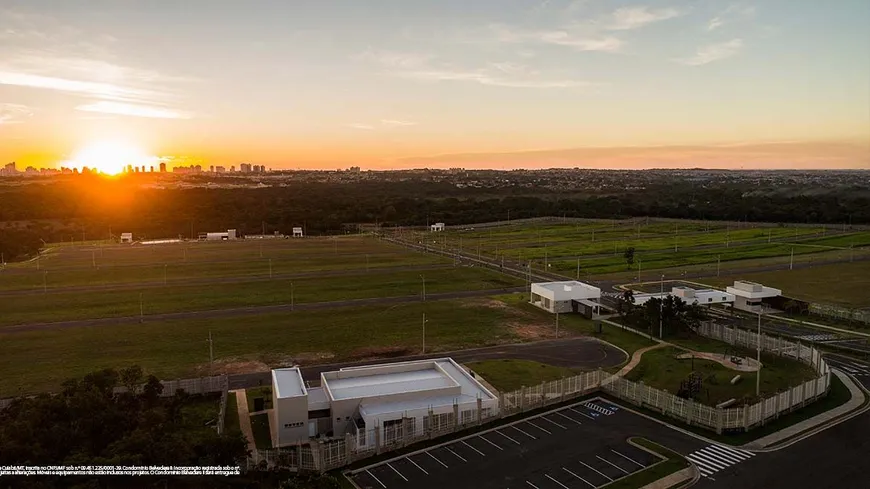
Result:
pixel 674 479
pixel 245 418
pixel 816 421
pixel 636 356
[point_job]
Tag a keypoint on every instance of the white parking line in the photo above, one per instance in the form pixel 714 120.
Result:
pixel 460 457
pixel 577 476
pixel 568 418
pixel 471 447
pixel 596 470
pixel 523 432
pixel 396 471
pixel 491 443
pixel 415 465
pixel 529 483
pixel 375 478
pixel 509 438
pixel 630 460
pixel 557 482
pixel 538 427
pixel 611 463
pixel 433 457
pixel 555 423
pixel 581 414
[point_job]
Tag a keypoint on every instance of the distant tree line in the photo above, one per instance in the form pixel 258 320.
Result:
pixel 67 209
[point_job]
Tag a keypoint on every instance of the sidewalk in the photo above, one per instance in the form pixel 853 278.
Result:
pixel 816 421
pixel 245 418
pixel 635 358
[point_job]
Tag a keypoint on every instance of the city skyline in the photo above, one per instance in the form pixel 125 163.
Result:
pixel 511 84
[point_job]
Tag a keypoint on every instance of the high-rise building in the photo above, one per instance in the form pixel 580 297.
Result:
pixel 162 167
pixel 245 168
pixel 211 168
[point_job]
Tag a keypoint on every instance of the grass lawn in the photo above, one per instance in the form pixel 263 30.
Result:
pixel 86 305
pixel 255 392
pixel 260 427
pixel 843 284
pixel 201 412
pixel 673 462
pixel 231 417
pixel 38 361
pixel 508 374
pixel 661 369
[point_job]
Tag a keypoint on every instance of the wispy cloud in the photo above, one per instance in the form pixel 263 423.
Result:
pixel 365 127
pixel 485 78
pixel 89 88
pixel 713 52
pixel 714 23
pixel 730 14
pixel 134 110
pixel 394 59
pixel 14 113
pixel 628 18
pixel 560 37
pixel 394 122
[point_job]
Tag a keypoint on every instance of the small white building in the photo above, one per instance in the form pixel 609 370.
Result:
pixel 567 296
pixel 126 237
pixel 225 236
pixel 437 227
pixel 689 296
pixel 748 296
pixel 377 402
pixel 297 232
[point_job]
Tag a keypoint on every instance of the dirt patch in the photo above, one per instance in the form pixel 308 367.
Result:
pixel 302 358
pixel 536 330
pixel 230 366
pixel 488 303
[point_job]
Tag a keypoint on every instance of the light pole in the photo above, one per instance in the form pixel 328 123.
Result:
pixel 424 333
pixel 758 355
pixel 424 287
pixel 661 307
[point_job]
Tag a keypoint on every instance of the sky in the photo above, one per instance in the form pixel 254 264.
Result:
pixel 439 83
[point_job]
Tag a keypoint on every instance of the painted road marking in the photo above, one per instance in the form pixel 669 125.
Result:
pixel 509 438
pixel 457 455
pixel 557 482
pixel 577 476
pixel 596 407
pixel 523 432
pixel 538 427
pixel 529 483
pixel 415 465
pixel 581 414
pixel 568 418
pixel 471 447
pixel 596 470
pixel 491 443
pixel 375 478
pixel 433 457
pixel 611 463
pixel 714 458
pixel 555 423
pixel 629 459
pixel 396 471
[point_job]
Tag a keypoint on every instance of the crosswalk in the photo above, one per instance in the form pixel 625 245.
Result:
pixel 713 458
pixel 819 337
pixel 856 369
pixel 595 407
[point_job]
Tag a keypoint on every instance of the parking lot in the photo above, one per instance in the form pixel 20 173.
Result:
pixel 581 446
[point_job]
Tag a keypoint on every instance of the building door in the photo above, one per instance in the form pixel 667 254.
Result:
pixel 312 428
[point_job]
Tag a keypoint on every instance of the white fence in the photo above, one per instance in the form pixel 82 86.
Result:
pixel 837 312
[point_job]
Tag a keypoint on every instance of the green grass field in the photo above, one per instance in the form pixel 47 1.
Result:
pixel 661 369
pixel 61 306
pixel 260 427
pixel 844 284
pixel 231 417
pixel 509 374
pixel 255 392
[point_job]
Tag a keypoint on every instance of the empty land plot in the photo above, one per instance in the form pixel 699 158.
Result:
pixel 661 369
pixel 510 374
pixel 40 360
pixel 845 284
pixel 65 306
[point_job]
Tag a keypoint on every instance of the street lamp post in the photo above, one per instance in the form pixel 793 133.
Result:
pixel 758 355
pixel 424 287
pixel 661 307
pixel 424 333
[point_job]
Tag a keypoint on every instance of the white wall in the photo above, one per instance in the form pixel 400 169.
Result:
pixel 293 413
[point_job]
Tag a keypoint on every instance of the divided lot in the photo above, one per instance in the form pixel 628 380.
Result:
pixel 580 446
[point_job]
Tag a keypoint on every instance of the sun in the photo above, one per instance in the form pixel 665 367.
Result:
pixel 111 157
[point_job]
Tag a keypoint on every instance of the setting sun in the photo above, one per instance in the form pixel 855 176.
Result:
pixel 111 157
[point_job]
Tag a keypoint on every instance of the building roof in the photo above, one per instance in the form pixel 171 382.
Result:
pixel 688 295
pixel 382 384
pixel 567 290
pixel 288 383
pixel 752 290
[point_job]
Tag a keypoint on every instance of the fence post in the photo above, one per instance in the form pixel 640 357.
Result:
pixel 479 410
pixel 543 393
pixel 745 417
pixel 719 421
pixel 523 391
pixel 377 431
pixel 348 447
pixel 455 416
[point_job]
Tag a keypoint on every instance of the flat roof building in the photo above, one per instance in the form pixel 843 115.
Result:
pixel 377 402
pixel 749 296
pixel 126 237
pixel 566 296
pixel 438 226
pixel 690 296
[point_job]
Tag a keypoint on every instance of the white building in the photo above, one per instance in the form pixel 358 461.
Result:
pixel 567 296
pixel 297 232
pixel 748 296
pixel 437 227
pixel 126 237
pixel 377 401
pixel 690 296
pixel 225 236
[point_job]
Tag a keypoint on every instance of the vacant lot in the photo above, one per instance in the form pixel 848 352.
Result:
pixel 846 284
pixel 508 374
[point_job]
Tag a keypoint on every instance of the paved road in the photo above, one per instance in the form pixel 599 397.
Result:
pixel 583 352
pixel 253 311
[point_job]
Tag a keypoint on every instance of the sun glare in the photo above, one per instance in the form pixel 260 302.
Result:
pixel 111 157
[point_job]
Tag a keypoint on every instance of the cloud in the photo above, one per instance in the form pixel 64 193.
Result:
pixel 559 37
pixel 394 122
pixel 714 23
pixel 713 52
pixel 628 18
pixel 483 78
pixel 365 127
pixel 395 59
pixel 93 89
pixel 14 113
pixel 134 110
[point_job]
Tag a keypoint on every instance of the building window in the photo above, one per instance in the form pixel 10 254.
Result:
pixel 709 299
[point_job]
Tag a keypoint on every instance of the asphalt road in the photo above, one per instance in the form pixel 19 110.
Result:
pixel 252 311
pixel 583 352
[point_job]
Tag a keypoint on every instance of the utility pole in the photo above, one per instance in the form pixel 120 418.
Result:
pixel 530 281
pixel 758 356
pixel 424 286
pixel 424 333
pixel 661 307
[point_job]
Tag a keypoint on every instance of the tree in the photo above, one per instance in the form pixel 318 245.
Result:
pixel 629 256
pixel 677 317
pixel 132 377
